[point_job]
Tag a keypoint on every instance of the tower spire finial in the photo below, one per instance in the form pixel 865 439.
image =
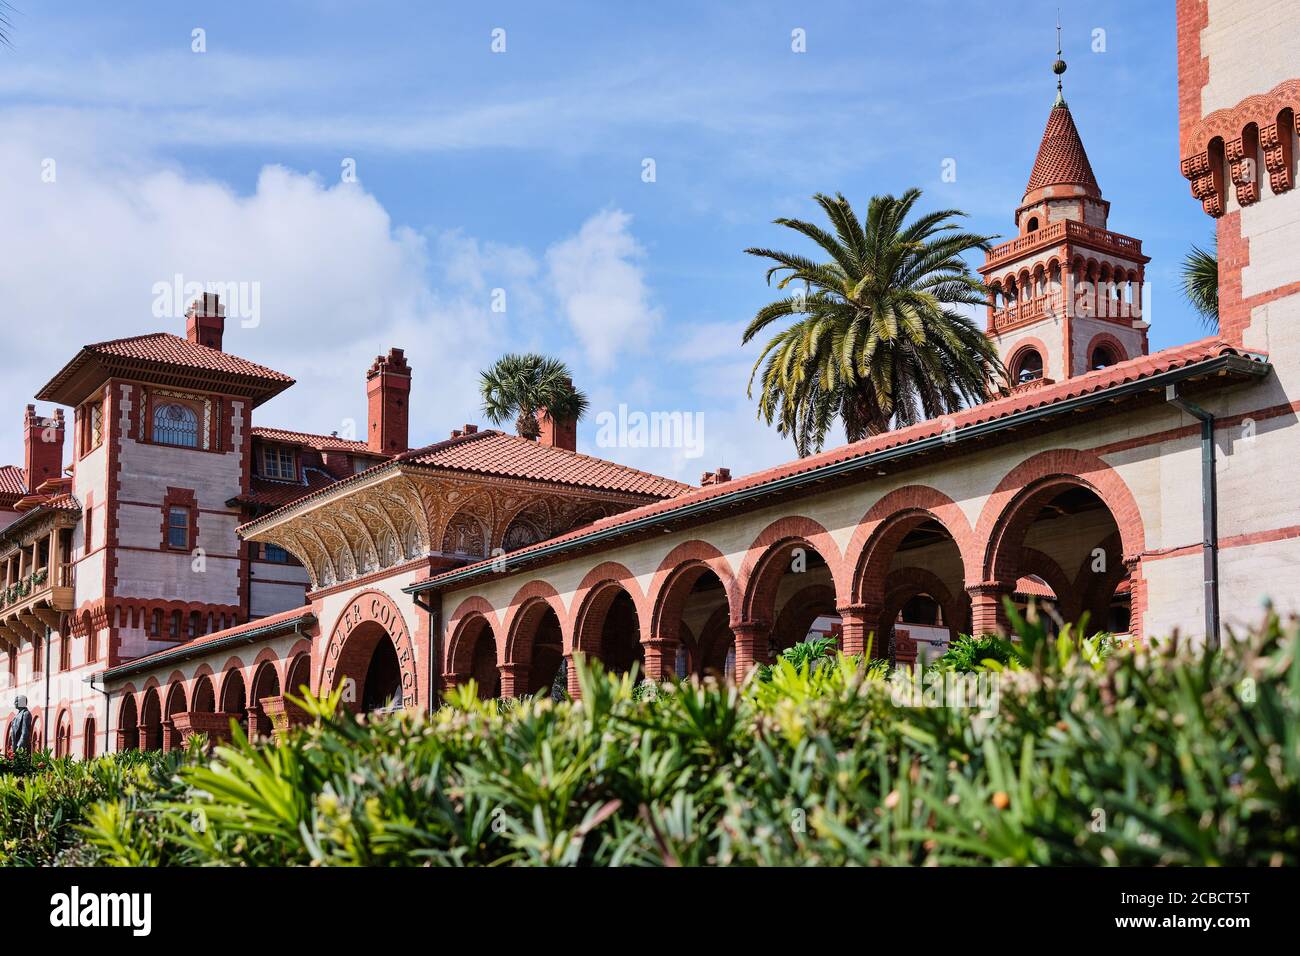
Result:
pixel 1059 66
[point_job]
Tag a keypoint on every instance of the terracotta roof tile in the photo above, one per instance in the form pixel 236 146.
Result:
pixel 269 495
pixel 165 354
pixel 318 442
pixel 497 453
pixel 492 452
pixel 171 349
pixel 1119 374
pixel 1062 159
pixel 1029 587
pixel 13 481
pixel 282 621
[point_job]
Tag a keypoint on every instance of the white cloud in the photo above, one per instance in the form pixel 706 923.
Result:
pixel 338 281
pixel 602 288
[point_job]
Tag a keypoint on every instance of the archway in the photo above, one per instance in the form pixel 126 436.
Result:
pixel 204 698
pixel 690 599
pixel 299 675
pixel 234 698
pixel 128 733
pixel 175 706
pixel 609 629
pixel 1056 524
pixel 266 683
pixel 63 735
pixel 370 656
pixel 789 586
pixel 534 650
pixel 151 721
pixel 88 740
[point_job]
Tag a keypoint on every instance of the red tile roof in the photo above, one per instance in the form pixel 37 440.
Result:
pixel 1124 372
pixel 165 355
pixel 262 627
pixel 1029 587
pixel 1061 158
pixel 268 495
pixel 318 442
pixel 492 452
pixel 497 453
pixel 13 481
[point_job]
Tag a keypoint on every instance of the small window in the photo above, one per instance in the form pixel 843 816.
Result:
pixel 1029 367
pixel 174 626
pixel 92 646
pixel 176 425
pixel 93 434
pixel 65 653
pixel 1033 224
pixel 178 528
pixel 38 655
pixel 88 738
pixel 89 521
pixel 278 462
pixel 275 554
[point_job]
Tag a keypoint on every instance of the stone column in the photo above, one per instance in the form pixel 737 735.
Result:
pixel 751 646
pixel 986 611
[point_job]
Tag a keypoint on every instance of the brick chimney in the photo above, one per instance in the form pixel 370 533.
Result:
pixel 719 477
pixel 388 388
pixel 205 321
pixel 42 447
pixel 561 433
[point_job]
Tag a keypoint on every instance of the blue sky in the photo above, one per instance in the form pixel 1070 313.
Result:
pixel 522 171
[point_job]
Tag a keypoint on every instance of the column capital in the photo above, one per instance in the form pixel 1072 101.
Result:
pixel 749 628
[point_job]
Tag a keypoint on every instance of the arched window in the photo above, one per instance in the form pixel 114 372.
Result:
pixel 88 738
pixel 63 736
pixel 1103 356
pixel 1033 224
pixel 1029 366
pixel 176 425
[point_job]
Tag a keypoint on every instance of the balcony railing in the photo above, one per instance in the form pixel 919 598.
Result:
pixel 1064 231
pixel 35 601
pixel 1088 303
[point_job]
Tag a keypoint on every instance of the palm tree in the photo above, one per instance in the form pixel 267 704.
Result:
pixel 1201 283
pixel 521 386
pixel 878 340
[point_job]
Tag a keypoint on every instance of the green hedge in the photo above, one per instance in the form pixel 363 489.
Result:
pixel 1066 751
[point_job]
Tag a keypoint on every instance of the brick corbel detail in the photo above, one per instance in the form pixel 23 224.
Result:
pixel 751 646
pixel 857 624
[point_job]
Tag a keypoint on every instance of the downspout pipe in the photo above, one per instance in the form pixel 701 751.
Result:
pixel 432 607
pixel 1209 511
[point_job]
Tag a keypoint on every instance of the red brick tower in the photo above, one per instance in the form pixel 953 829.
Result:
pixel 1067 292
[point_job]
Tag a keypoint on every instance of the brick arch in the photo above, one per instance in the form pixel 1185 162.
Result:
pixel 370 617
pixel 760 574
pixel 265 657
pixel 1015 503
pixel 596 594
pixel 903 584
pixel 1035 562
pixel 62 723
pixel 1017 353
pixel 203 693
pixel 464 639
pixel 232 671
pixel 149 720
pixel 1112 343
pixel 298 658
pixel 523 616
pixel 885 525
pixel 677 574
